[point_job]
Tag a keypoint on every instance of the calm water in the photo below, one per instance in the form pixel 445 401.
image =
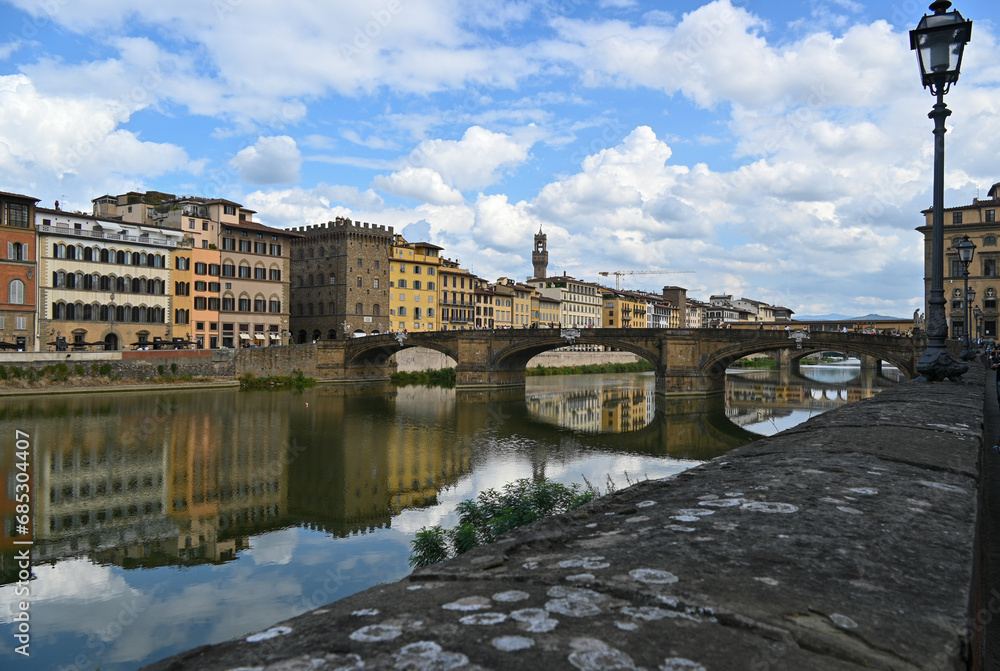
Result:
pixel 163 521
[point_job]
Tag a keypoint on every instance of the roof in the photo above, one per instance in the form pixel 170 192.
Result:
pixel 254 226
pixel 7 194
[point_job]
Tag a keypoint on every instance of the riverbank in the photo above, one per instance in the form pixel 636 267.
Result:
pixel 847 542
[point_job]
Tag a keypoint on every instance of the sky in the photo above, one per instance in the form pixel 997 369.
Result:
pixel 779 150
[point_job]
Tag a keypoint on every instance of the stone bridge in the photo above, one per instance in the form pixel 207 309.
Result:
pixel 686 361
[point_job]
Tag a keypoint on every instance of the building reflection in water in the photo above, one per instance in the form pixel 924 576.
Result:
pixel 187 478
pixel 761 396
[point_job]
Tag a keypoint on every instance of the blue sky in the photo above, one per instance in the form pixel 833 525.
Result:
pixel 782 151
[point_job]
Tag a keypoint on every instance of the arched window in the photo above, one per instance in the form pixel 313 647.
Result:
pixel 311 280
pixel 322 252
pixel 359 309
pixel 359 282
pixel 88 254
pixel 58 310
pixel 60 251
pixel 990 241
pixel 70 311
pixel 319 308
pixel 332 311
pixel 310 307
pixel 88 312
pixel 333 278
pixel 377 310
pixel 105 256
pixel 15 292
pixel 17 251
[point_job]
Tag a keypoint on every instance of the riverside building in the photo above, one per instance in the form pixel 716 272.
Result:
pixel 18 265
pixel 340 280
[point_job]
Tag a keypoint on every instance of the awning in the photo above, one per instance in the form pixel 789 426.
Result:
pixel 258 336
pixel 244 336
pixel 275 336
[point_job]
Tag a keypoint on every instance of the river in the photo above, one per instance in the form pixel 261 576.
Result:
pixel 167 520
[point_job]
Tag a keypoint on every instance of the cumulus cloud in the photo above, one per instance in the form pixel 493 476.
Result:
pixel 272 160
pixel 475 161
pixel 421 184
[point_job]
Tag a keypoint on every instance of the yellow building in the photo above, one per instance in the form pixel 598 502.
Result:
pixel 413 286
pixel 457 297
pixel 623 309
pixel 977 220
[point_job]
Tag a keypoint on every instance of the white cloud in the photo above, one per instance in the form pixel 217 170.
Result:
pixel 272 160
pixel 475 161
pixel 421 184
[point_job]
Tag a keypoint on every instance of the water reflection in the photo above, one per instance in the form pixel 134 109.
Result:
pixel 596 403
pixel 767 402
pixel 242 509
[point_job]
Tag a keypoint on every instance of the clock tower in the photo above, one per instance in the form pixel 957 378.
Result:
pixel 540 255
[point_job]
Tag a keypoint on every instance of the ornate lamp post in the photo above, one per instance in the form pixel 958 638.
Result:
pixel 979 322
pixel 966 250
pixel 939 40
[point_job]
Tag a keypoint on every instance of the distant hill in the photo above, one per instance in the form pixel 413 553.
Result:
pixel 842 318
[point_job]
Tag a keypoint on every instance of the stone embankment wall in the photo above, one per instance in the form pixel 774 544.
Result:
pixel 847 542
pixel 129 365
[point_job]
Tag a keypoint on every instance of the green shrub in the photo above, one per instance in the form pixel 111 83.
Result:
pixel 79 370
pixel 493 513
pixel 16 372
pixel 3 372
pixel 105 370
pixel 161 369
pixel 173 369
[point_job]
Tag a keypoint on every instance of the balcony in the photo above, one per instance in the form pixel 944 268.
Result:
pixel 101 235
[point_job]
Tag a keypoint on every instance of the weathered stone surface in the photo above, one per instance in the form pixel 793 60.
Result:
pixel 846 543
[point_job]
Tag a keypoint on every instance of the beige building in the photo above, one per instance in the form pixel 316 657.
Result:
pixel 978 220
pixel 104 281
pixel 579 302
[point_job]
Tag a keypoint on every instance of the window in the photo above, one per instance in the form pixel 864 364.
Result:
pixel 275 250
pixel 417 313
pixel 244 305
pixel 376 262
pixel 228 270
pixel 20 323
pixel 402 311
pixel 416 270
pixel 190 223
pixel 214 286
pixel 375 285
pixel 990 267
pixel 260 248
pixel 17 251
pixel 333 278
pixel 274 274
pixel 182 263
pixel 260 273
pixel 377 310
pixel 229 244
pixel 956 217
pixel 274 306
pixel 417 285
pixel 990 241
pixel 359 281
pixel 401 284
pixel 402 267
pixel 259 305
pixel 213 269
pixel 359 309
pixel 360 264
pixel 430 271
pixel 228 303
pixel 245 244
pixel 15 292
pixel 17 215
pixel 229 209
pixel 200 268
pixel 991 216
pixel 200 303
pixel 430 286
pixel 213 304
pixel 200 285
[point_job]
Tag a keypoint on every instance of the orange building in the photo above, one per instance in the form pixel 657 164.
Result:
pixel 18 257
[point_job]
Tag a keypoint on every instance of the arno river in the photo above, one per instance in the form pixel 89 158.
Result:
pixel 167 520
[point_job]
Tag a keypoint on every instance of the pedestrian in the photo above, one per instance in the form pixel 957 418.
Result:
pixel 993 356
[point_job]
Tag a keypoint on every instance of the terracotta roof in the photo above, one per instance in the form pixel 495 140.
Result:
pixel 7 194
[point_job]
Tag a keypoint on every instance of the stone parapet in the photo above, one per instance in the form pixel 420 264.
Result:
pixel 848 542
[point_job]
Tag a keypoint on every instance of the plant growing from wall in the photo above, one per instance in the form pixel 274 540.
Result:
pixel 493 513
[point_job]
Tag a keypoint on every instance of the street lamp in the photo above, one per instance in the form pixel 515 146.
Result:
pixel 979 322
pixel 966 250
pixel 939 40
pixel 970 297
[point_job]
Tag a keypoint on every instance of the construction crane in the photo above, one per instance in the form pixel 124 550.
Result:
pixel 618 274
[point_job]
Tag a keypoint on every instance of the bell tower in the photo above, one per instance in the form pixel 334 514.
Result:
pixel 540 255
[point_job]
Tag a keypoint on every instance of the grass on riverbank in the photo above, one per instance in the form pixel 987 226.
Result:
pixel 493 513
pixel 642 366
pixel 445 377
pixel 251 382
